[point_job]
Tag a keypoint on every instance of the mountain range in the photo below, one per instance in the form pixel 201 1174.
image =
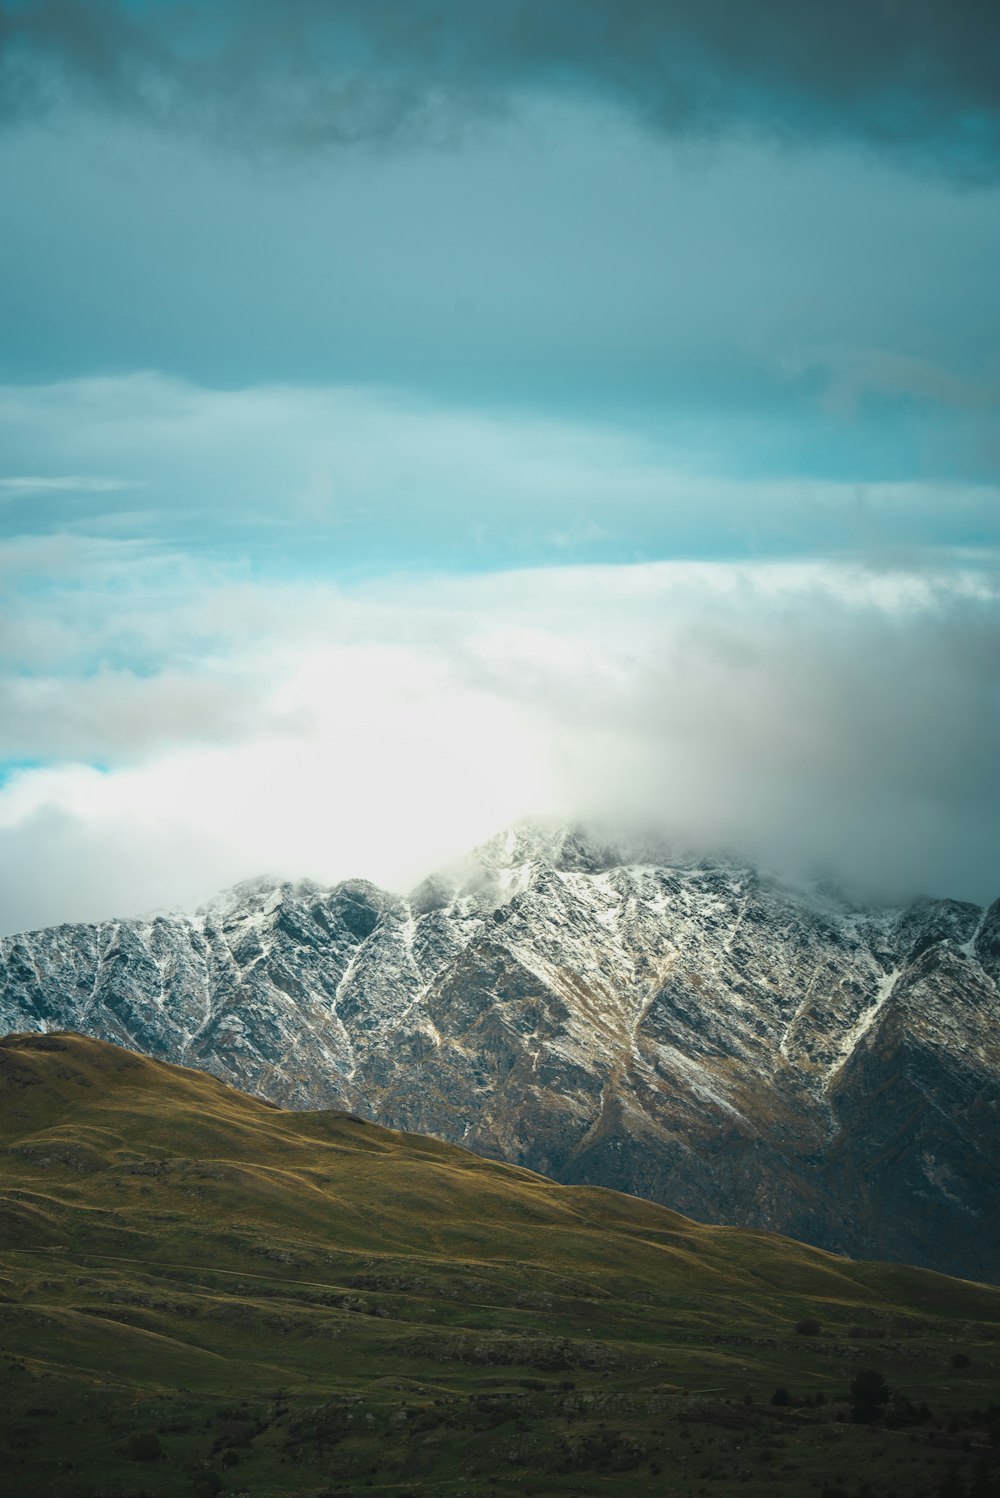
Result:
pixel 684 1029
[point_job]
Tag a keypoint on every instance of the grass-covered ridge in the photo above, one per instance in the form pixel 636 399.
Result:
pixel 305 1303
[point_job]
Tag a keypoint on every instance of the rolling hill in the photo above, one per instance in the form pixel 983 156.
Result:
pixel 203 1292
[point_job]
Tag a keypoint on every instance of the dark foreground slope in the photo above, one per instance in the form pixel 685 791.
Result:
pixel 691 1032
pixel 200 1291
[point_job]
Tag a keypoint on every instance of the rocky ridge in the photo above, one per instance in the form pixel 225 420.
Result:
pixel 687 1030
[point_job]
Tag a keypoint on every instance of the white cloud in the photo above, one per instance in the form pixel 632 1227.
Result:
pixel 66 484
pixel 817 716
pixel 395 762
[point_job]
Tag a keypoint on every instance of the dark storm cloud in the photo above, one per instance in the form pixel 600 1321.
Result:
pixel 921 77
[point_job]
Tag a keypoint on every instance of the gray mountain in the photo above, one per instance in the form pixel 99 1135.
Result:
pixel 686 1030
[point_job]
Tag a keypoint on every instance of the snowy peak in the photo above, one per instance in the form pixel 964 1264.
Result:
pixel 576 847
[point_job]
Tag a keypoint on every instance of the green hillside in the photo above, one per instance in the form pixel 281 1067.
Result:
pixel 202 1293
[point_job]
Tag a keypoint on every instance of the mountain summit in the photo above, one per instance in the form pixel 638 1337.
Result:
pixel 688 1031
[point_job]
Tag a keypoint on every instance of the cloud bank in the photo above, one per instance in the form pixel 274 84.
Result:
pixel 823 720
pixel 920 79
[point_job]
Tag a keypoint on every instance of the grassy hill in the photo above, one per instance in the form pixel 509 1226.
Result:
pixel 200 1292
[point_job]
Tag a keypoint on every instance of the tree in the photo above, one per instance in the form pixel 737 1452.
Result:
pixel 869 1396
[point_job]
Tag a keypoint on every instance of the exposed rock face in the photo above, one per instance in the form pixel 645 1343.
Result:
pixel 690 1032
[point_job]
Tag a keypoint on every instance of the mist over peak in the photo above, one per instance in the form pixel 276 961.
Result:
pixel 834 724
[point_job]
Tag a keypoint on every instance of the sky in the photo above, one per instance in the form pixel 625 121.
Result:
pixel 416 415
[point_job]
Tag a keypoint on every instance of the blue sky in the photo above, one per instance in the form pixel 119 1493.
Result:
pixel 565 356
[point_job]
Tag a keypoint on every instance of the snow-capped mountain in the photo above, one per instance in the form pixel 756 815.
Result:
pixel 686 1030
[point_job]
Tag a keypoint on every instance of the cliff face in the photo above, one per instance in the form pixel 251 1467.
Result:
pixel 689 1032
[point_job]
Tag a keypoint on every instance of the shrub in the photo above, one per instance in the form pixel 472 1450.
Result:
pixel 144 1446
pixel 207 1485
pixel 780 1396
pixel 808 1327
pixel 952 1485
